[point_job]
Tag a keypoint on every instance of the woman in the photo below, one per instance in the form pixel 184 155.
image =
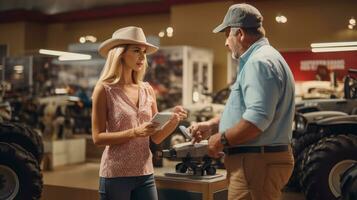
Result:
pixel 122 108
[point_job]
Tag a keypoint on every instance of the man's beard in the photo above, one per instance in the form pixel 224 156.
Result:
pixel 235 55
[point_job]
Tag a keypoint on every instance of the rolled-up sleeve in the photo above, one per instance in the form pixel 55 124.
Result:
pixel 261 92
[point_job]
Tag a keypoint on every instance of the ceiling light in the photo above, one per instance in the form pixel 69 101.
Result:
pixel 169 30
pixel 91 38
pixel 281 19
pixel 64 56
pixel 74 57
pixel 334 49
pixel 161 34
pixel 51 52
pixel 352 21
pixel 333 44
pixel 350 26
pixel 86 38
pixel 82 40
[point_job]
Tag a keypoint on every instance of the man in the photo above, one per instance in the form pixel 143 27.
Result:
pixel 254 130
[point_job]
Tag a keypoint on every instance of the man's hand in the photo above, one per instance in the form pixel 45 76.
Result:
pixel 215 147
pixel 200 131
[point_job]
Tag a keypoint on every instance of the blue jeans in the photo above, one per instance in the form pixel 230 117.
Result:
pixel 128 188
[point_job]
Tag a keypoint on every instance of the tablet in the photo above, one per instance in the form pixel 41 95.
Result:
pixel 162 118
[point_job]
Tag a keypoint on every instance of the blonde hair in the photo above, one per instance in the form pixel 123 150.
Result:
pixel 113 67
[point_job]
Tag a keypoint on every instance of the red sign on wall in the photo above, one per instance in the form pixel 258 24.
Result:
pixel 304 64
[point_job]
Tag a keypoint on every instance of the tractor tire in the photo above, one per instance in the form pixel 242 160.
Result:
pixel 20 174
pixel 306 140
pixel 294 181
pixel 24 136
pixel 349 183
pixel 323 165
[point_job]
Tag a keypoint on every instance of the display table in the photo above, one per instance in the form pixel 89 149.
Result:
pixel 189 188
pixel 81 182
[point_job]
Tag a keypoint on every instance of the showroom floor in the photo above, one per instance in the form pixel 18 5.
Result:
pixel 81 182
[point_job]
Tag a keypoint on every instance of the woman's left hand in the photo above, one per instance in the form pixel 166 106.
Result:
pixel 180 112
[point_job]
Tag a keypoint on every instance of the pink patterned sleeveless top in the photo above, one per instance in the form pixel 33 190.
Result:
pixel 134 157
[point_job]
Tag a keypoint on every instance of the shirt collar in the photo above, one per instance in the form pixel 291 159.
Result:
pixel 259 43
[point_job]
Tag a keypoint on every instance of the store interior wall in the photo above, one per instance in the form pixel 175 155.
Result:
pixel 308 21
pixel 13 35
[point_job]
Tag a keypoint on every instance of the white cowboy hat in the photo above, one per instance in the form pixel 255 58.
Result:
pixel 127 35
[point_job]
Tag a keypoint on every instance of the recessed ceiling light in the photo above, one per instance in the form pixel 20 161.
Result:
pixel 352 21
pixel 350 26
pixel 169 30
pixel 161 34
pixel 281 19
pixel 82 40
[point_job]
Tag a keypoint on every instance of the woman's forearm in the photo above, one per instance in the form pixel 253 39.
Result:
pixel 158 137
pixel 110 138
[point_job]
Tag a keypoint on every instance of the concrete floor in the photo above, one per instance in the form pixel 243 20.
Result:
pixel 81 182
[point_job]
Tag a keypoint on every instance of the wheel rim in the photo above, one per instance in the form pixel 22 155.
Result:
pixel 9 183
pixel 334 176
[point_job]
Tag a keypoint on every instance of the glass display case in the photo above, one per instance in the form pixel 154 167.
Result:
pixel 180 75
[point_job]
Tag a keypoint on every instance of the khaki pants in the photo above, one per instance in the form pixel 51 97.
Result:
pixel 258 176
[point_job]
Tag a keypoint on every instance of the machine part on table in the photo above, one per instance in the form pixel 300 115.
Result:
pixel 24 136
pixel 195 159
pixel 324 164
pixel 185 132
pixel 349 183
pixel 20 174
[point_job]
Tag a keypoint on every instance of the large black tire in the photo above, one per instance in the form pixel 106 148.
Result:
pixel 27 170
pixel 322 160
pixel 23 136
pixel 294 181
pixel 349 183
pixel 300 147
pixel 305 141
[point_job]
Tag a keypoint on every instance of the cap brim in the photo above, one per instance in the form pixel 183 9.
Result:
pixel 105 47
pixel 220 28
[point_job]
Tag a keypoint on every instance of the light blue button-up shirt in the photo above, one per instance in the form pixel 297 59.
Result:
pixel 263 94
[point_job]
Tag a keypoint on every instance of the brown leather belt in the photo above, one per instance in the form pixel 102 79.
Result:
pixel 256 149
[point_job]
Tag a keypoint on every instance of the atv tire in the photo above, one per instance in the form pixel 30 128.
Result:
pixel 23 136
pixel 294 181
pixel 20 174
pixel 323 163
pixel 349 183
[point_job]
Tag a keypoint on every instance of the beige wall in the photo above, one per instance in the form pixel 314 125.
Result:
pixel 60 34
pixel 308 21
pixel 13 35
pixel 193 25
pixel 35 37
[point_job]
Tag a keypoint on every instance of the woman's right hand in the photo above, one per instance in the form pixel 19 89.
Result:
pixel 146 129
